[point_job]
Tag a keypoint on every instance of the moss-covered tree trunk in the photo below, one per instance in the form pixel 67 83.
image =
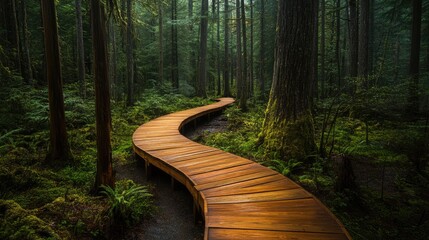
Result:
pixel 59 148
pixel 288 127
pixel 104 174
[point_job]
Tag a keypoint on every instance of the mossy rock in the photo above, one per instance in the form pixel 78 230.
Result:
pixel 18 223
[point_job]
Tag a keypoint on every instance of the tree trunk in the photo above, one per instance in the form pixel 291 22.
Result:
pixel 245 77
pixel 219 87
pixel 12 34
pixel 239 70
pixel 337 43
pixel 353 38
pixel 251 90
pixel 130 55
pixel 202 64
pixel 192 44
pixel 288 127
pixel 80 48
pixel 227 63
pixel 113 61
pixel 323 49
pixel 413 100
pixel 363 42
pixel 27 72
pixel 262 52
pixel 174 47
pixel 160 43
pixel 59 148
pixel 315 63
pixel 104 175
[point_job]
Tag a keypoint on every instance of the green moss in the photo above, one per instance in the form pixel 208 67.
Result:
pixel 288 139
pixel 18 223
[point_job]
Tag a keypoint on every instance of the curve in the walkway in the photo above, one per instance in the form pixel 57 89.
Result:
pixel 239 198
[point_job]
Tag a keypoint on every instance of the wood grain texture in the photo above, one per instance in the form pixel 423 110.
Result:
pixel 239 198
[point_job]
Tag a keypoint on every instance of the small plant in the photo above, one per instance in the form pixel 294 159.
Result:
pixel 129 202
pixel 285 167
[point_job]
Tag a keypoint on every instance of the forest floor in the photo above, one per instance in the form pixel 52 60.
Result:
pixel 174 218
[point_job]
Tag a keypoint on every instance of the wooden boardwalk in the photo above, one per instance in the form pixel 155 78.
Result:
pixel 239 198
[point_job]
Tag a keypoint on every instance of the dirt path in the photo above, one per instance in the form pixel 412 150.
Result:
pixel 174 219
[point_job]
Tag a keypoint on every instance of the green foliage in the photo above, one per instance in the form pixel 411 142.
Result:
pixel 285 167
pixel 128 202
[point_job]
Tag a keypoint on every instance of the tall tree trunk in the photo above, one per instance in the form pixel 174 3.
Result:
pixel 363 42
pixel 12 33
pixel 27 72
pixel 160 43
pixel 130 55
pixel 288 126
pixel 174 46
pixel 315 63
pixel 80 48
pixel 262 52
pixel 371 37
pixel 192 44
pixel 104 175
pixel 337 43
pixel 245 77
pixel 59 148
pixel 239 71
pixel 219 87
pixel 413 100
pixel 227 63
pixel 323 49
pixel 202 64
pixel 113 60
pixel 251 50
pixel 353 38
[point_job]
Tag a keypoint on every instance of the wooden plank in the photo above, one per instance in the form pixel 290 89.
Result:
pixel 241 199
pixel 236 179
pixel 257 197
pixel 237 234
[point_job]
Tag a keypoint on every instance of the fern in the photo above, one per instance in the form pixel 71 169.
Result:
pixel 128 202
pixel 285 167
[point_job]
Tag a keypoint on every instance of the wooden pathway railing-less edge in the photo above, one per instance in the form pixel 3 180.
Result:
pixel 239 198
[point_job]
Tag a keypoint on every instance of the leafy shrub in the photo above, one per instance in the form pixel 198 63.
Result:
pixel 128 202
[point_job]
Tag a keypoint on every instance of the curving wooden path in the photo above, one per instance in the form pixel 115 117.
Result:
pixel 239 198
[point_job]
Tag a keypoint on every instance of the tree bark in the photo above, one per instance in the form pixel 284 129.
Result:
pixel 174 47
pixel 245 77
pixel 130 55
pixel 262 52
pixel 80 48
pixel 219 87
pixel 239 70
pixel 227 63
pixel 161 43
pixel 353 38
pixel 363 42
pixel 315 63
pixel 323 49
pixel 251 78
pixel 59 148
pixel 288 127
pixel 27 72
pixel 104 175
pixel 202 64
pixel 414 69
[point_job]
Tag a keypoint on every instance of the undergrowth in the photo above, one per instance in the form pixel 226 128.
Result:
pixel 388 155
pixel 38 202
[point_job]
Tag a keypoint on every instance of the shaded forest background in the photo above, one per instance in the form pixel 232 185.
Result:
pixel 368 101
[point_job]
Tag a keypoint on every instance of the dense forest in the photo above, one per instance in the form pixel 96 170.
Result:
pixel 333 94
